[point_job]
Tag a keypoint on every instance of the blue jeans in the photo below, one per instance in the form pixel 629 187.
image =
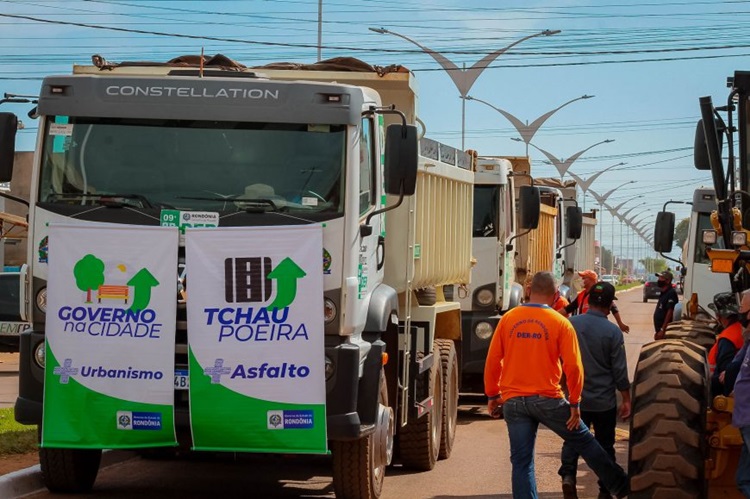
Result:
pixel 523 416
pixel 604 423
pixel 743 466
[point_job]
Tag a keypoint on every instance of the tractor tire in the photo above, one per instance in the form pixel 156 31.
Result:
pixel 419 440
pixel 69 470
pixel 670 396
pixel 449 419
pixel 692 331
pixel 359 465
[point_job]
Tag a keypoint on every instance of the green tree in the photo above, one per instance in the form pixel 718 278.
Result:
pixel 89 274
pixel 681 232
pixel 654 264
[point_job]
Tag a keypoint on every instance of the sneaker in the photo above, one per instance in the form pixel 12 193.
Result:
pixel 569 487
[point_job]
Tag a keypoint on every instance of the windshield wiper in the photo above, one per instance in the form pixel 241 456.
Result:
pixel 109 200
pixel 237 200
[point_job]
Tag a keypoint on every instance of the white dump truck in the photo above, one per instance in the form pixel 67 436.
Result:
pixel 249 155
pixel 493 289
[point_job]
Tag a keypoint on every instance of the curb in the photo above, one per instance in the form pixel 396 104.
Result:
pixel 28 481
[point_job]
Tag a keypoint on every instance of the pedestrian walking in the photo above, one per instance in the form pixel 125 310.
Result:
pixel 580 303
pixel 522 378
pixel 605 370
pixel 665 306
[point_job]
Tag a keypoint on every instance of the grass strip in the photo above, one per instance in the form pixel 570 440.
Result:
pixel 15 438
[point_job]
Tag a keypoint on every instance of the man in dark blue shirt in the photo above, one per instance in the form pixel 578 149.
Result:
pixel 665 306
pixel 605 372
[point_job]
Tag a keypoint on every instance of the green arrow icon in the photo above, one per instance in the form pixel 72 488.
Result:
pixel 142 283
pixel 286 274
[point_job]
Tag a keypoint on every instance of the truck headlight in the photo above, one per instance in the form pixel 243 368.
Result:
pixel 39 354
pixel 41 300
pixel 709 236
pixel 483 330
pixel 330 367
pixel 329 310
pixel 484 297
pixel 739 238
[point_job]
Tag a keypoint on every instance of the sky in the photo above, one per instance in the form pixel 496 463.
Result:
pixel 645 62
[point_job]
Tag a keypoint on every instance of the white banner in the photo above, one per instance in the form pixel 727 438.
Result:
pixel 255 332
pixel 110 331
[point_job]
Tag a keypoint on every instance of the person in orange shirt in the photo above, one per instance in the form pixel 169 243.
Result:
pixel 522 382
pixel 728 342
pixel 580 304
pixel 559 303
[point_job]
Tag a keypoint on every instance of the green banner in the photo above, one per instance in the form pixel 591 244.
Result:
pixel 110 336
pixel 255 337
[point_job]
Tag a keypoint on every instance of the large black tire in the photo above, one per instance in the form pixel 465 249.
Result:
pixel 359 465
pixel 696 332
pixel 69 470
pixel 449 420
pixel 670 396
pixel 419 440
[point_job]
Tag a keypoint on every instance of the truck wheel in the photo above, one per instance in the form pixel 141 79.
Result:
pixel 69 470
pixel 419 440
pixel 359 465
pixel 670 395
pixel 692 331
pixel 449 419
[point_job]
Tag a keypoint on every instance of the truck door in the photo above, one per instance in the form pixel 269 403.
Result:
pixel 371 250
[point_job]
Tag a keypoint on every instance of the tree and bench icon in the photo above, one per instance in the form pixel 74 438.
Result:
pixel 89 275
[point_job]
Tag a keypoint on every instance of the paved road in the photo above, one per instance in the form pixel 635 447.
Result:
pixel 479 467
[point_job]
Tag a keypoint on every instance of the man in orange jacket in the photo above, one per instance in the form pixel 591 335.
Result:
pixel 728 342
pixel 522 378
pixel 580 304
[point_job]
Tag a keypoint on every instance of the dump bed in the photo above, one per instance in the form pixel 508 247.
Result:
pixel 429 235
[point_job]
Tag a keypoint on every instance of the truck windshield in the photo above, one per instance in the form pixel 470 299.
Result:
pixel 193 165
pixel 485 210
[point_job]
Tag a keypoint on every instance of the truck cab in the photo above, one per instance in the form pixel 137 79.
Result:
pixel 493 289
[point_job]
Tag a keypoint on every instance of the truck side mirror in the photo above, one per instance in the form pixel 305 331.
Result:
pixel 664 232
pixel 530 206
pixel 8 128
pixel 401 151
pixel 574 214
pixel 700 151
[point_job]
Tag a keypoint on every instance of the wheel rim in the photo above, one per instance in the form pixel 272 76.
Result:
pixel 452 403
pixel 384 432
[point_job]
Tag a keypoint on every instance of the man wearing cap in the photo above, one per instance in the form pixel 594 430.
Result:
pixel 605 371
pixel 728 342
pixel 580 303
pixel 522 375
pixel 665 306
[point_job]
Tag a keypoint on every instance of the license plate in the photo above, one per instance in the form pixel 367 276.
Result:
pixel 181 380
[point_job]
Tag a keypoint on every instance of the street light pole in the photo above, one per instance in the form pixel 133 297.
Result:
pixel 584 184
pixel 563 165
pixel 320 30
pixel 601 199
pixel 525 130
pixel 464 78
